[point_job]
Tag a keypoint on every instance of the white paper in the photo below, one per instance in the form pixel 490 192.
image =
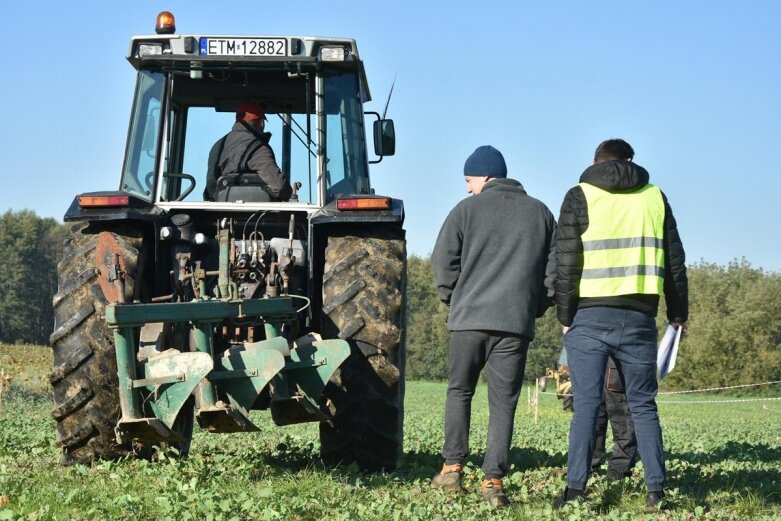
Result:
pixel 668 351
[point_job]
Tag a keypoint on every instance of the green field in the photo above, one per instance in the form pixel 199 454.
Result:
pixel 724 462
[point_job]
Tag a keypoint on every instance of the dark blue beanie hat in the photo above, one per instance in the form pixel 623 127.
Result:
pixel 485 161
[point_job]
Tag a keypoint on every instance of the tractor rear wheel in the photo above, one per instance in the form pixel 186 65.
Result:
pixel 84 377
pixel 363 302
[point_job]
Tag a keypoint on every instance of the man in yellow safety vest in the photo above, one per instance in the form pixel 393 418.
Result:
pixel 617 251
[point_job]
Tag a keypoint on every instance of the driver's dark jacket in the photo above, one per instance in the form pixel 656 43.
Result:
pixel 246 151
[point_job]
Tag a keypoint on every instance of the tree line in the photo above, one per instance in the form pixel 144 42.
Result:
pixel 734 328
pixel 30 248
pixel 734 318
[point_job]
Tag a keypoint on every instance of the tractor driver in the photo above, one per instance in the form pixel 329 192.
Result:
pixel 242 165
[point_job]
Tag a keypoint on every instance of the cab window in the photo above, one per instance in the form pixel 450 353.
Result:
pixel 346 165
pixel 138 171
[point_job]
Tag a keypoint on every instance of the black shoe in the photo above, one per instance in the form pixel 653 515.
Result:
pixel 655 502
pixel 570 494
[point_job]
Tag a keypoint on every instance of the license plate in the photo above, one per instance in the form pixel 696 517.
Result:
pixel 243 47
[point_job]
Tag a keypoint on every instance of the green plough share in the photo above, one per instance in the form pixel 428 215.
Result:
pixel 226 386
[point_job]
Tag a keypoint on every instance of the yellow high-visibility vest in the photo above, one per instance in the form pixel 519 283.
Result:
pixel 623 247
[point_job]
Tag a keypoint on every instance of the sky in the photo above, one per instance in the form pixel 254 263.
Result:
pixel 694 86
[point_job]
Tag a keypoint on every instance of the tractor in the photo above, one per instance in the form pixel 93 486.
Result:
pixel 174 308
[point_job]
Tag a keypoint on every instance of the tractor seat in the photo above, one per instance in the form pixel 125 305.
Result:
pixel 249 188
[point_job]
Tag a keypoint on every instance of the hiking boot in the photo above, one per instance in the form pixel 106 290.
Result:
pixel 655 502
pixel 493 492
pixel 617 475
pixel 570 495
pixel 449 478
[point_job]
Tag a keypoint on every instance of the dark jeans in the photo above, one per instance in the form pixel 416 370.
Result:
pixel 630 337
pixel 504 357
pixel 615 408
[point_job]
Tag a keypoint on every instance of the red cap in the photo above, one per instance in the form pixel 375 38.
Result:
pixel 250 110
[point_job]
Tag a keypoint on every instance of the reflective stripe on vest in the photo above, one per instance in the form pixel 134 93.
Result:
pixel 623 247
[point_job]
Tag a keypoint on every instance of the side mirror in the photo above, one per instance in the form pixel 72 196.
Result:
pixel 384 138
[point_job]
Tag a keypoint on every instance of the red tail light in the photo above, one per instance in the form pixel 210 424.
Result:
pixel 96 201
pixel 363 203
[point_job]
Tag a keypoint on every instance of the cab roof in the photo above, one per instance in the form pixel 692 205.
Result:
pixel 194 52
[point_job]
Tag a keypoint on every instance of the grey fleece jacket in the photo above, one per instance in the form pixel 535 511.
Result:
pixel 491 260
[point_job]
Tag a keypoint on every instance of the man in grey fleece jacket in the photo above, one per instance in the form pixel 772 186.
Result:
pixel 491 267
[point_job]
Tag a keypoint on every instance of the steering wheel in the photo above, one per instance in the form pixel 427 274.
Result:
pixel 148 181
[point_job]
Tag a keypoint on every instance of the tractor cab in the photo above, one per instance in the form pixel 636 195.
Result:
pixel 187 93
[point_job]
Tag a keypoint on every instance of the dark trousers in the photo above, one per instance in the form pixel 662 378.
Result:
pixel 504 357
pixel 630 338
pixel 615 408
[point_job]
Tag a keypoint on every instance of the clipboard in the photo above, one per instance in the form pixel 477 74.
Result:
pixel 668 351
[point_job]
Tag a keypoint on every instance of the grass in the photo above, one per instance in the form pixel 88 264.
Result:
pixel 724 462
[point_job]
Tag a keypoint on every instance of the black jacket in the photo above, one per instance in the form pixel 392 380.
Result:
pixel 491 259
pixel 245 150
pixel 614 176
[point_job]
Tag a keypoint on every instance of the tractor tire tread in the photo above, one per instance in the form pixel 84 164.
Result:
pixel 84 373
pixel 363 293
pixel 75 358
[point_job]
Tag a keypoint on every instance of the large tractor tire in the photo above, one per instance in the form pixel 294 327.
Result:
pixel 364 284
pixel 84 377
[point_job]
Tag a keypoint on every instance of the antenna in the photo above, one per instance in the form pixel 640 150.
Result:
pixel 389 97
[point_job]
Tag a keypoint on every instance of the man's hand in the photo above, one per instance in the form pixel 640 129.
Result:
pixel 564 329
pixel 676 325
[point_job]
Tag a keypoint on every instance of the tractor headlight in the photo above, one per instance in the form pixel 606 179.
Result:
pixel 332 54
pixel 149 49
